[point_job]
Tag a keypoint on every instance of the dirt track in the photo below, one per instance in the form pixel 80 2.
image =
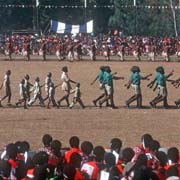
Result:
pixel 94 124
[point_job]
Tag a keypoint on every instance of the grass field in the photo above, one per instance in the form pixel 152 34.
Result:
pixel 93 124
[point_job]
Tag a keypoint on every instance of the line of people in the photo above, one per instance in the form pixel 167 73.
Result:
pixel 84 161
pixel 74 48
pixel 105 78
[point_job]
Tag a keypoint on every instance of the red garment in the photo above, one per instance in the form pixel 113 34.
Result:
pixel 78 175
pixel 30 173
pixel 70 152
pixel 94 173
pixel 161 173
pixel 12 163
pixel 54 160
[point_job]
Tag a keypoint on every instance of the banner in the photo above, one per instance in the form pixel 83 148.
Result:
pixel 61 28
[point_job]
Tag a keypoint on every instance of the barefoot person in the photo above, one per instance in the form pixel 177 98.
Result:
pixel 160 80
pixel 66 86
pixel 108 81
pixel 135 82
pixel 7 88
pixel 22 93
pixel 77 97
pixel 37 93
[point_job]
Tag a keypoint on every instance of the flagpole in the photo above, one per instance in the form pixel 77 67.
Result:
pixel 37 15
pixel 85 7
pixel 135 23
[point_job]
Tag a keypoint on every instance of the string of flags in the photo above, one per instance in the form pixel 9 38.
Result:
pixel 93 6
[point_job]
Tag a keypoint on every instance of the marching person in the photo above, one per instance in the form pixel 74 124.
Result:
pixel 7 88
pixel 108 81
pixel 43 49
pixel 135 82
pixel 27 86
pixel 121 51
pixel 106 52
pixel 37 93
pixel 100 77
pixel 166 52
pixel 48 80
pixel 70 52
pixel 9 49
pixel 160 80
pixel 66 85
pixel 151 51
pixel 93 51
pixel 22 93
pixel 77 97
pixel 51 95
pixel 26 50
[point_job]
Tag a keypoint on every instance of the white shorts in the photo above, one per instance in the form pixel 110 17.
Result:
pixel 40 52
pixel 109 89
pixel 105 53
pixel 136 88
pixel 162 91
pixel 57 53
pixel 7 52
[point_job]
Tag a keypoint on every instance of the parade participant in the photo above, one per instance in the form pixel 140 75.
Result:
pixel 7 88
pixel 26 50
pixel 48 80
pixel 51 94
pixel 43 49
pixel 37 93
pixel 137 52
pixel 27 86
pixel 160 80
pixel 9 49
pixel 78 51
pixel 106 52
pixel 77 97
pixel 108 81
pixel 66 85
pixel 22 93
pixel 134 82
pixel 151 52
pixel 121 51
pixel 93 51
pixel 58 51
pixel 100 77
pixel 70 52
pixel 165 52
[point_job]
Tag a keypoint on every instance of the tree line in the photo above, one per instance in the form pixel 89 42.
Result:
pixel 107 15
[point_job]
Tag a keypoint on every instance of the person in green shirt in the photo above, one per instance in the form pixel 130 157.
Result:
pixel 100 78
pixel 135 82
pixel 160 80
pixel 108 82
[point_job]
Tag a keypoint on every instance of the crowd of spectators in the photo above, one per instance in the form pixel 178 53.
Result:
pixel 83 161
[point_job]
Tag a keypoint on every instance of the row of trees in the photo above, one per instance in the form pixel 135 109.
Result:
pixel 130 20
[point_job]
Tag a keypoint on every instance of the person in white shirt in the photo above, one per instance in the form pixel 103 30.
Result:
pixel 7 87
pixel 48 80
pixel 66 86
pixel 37 93
pixel 22 93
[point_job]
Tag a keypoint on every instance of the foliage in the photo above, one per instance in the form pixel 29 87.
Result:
pixel 131 20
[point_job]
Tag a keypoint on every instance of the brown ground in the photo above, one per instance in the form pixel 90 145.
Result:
pixel 93 124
